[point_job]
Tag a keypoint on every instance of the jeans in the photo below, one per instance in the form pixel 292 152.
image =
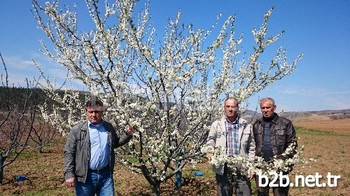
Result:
pixel 99 183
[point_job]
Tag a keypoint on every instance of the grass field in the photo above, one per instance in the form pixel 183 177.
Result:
pixel 327 142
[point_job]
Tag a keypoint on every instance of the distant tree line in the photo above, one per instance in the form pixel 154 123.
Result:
pixel 14 96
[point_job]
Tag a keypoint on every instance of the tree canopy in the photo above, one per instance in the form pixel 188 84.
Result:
pixel 170 90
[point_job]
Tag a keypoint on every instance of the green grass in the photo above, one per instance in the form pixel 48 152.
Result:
pixel 207 172
pixel 132 159
pixel 25 154
pixel 302 130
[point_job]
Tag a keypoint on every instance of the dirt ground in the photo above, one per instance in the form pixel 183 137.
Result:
pixel 327 142
pixel 338 126
pixel 45 173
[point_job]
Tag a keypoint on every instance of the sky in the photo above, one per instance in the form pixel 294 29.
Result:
pixel 318 29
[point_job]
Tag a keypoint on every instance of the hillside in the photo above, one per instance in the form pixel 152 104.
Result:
pixel 318 115
pixel 305 116
pixel 15 96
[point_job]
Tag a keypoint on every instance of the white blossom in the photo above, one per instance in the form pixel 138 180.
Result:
pixel 169 89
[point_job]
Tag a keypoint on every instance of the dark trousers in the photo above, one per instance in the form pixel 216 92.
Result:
pixel 227 184
pixel 264 190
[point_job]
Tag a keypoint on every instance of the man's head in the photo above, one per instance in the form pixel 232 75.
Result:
pixel 267 106
pixel 231 108
pixel 94 110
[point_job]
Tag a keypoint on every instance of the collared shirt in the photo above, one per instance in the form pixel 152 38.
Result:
pixel 100 150
pixel 232 137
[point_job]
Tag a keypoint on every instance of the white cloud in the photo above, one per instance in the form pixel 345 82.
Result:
pixel 17 63
pixel 339 92
pixel 304 98
pixel 19 69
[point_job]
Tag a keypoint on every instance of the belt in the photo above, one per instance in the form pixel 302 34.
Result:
pixel 99 170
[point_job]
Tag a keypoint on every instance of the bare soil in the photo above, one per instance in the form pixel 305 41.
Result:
pixel 326 141
pixel 319 123
pixel 45 174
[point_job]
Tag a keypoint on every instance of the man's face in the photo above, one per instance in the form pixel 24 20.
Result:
pixel 94 114
pixel 231 108
pixel 267 108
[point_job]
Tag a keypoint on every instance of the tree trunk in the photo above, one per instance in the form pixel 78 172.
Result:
pixel 152 181
pixel 156 189
pixel 1 168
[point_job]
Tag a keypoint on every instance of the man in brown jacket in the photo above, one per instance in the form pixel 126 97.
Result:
pixel 273 134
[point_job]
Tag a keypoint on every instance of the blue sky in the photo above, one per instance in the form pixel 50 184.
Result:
pixel 319 29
